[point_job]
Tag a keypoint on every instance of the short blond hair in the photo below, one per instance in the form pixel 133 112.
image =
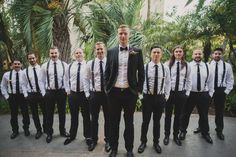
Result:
pixel 123 26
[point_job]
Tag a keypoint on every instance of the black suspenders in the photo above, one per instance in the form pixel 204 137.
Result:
pixel 48 80
pixel 147 82
pixel 69 73
pixel 223 76
pixel 163 78
pixel 207 75
pixel 185 77
pixel 92 69
pixel 27 74
pixel 162 81
pixel 10 81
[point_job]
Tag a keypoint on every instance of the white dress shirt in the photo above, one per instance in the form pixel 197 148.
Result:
pixel 6 81
pixel 151 78
pixel 122 77
pixel 228 81
pixel 206 83
pixel 71 81
pixel 173 72
pixel 25 82
pixel 60 76
pixel 97 76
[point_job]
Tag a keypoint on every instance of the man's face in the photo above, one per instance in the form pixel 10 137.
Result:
pixel 16 65
pixel 54 54
pixel 79 55
pixel 156 54
pixel 197 55
pixel 32 59
pixel 99 51
pixel 123 34
pixel 178 53
pixel 217 55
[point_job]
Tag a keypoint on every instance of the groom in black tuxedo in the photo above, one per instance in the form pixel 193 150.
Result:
pixel 124 77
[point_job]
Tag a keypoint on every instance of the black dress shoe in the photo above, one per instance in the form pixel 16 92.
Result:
pixel 208 138
pixel 177 141
pixel 142 147
pixel 182 135
pixel 221 136
pixel 92 146
pixel 166 140
pixel 38 134
pixel 68 140
pixel 198 130
pixel 14 135
pixel 88 141
pixel 27 133
pixel 157 148
pixel 49 138
pixel 113 153
pixel 107 147
pixel 65 134
pixel 130 154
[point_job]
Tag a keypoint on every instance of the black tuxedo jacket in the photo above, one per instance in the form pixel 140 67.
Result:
pixel 135 70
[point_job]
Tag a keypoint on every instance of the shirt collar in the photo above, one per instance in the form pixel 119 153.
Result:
pixel 98 60
pixel 152 64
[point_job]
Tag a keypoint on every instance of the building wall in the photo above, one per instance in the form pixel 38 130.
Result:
pixel 156 6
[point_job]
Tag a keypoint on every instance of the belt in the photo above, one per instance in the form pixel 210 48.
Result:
pixel 120 89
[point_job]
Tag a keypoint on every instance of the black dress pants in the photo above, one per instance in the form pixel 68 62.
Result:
pixel 152 104
pixel 53 97
pixel 219 101
pixel 202 101
pixel 176 101
pixel 98 99
pixel 78 101
pixel 122 99
pixel 15 101
pixel 35 101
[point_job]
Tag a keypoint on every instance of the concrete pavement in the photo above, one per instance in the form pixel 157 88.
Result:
pixel 193 146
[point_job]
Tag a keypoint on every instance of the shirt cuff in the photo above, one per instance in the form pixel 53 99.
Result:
pixel 211 94
pixel 227 91
pixel 6 96
pixel 187 93
pixel 25 95
pixel 87 94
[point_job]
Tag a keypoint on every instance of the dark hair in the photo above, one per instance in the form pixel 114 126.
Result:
pixel 155 46
pixel 172 58
pixel 31 53
pixel 54 47
pixel 16 59
pixel 218 49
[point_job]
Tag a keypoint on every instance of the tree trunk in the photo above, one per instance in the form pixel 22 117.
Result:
pixel 149 10
pixel 61 36
pixel 207 50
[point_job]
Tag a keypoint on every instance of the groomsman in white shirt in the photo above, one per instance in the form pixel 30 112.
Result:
pixel 32 92
pixel 76 96
pixel 223 84
pixel 11 88
pixel 53 79
pixel 97 97
pixel 180 88
pixel 200 95
pixel 156 90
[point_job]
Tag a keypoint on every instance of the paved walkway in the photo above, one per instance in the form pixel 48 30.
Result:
pixel 193 146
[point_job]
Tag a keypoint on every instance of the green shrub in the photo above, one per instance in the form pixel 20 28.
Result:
pixel 230 103
pixel 4 107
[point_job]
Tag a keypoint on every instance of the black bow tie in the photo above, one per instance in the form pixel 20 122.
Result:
pixel 123 48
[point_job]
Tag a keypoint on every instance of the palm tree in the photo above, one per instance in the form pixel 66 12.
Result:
pixel 45 23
